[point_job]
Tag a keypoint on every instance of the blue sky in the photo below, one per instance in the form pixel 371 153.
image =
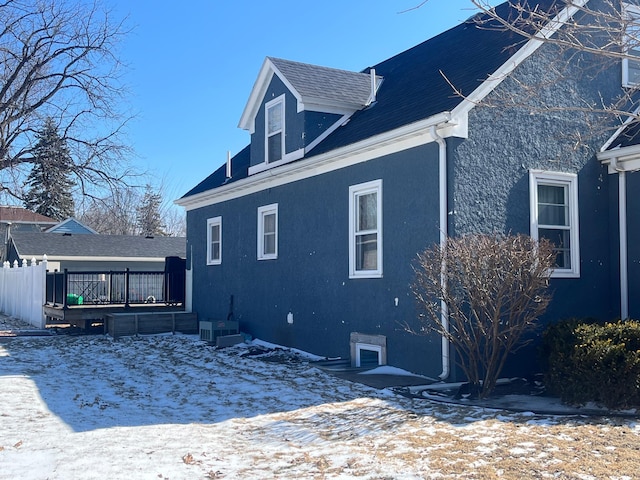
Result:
pixel 192 65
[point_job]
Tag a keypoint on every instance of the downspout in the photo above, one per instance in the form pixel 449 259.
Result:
pixel 622 222
pixel 442 188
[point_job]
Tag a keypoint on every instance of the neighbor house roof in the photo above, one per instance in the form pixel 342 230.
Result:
pixel 71 225
pixel 15 214
pixel 96 247
pixel 418 83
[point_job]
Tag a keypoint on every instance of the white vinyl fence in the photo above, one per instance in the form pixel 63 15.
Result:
pixel 22 291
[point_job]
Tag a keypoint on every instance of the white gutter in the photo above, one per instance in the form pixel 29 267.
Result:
pixel 624 277
pixel 442 188
pixel 383 144
pixel 622 223
pixel 621 161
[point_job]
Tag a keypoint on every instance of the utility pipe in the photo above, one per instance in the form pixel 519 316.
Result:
pixel 622 224
pixel 442 188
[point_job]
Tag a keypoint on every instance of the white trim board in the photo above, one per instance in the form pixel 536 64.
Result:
pixel 404 138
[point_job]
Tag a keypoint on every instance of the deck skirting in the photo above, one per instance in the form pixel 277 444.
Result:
pixel 133 323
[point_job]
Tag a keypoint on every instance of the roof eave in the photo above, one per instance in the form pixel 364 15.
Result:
pixel 417 130
pixel 90 258
pixel 623 159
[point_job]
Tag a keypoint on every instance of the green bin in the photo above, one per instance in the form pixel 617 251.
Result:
pixel 73 299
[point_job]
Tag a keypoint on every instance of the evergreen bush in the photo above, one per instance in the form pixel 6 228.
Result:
pixel 588 361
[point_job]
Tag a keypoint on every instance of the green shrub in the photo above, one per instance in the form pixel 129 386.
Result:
pixel 588 361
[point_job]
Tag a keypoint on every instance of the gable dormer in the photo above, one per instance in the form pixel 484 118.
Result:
pixel 293 106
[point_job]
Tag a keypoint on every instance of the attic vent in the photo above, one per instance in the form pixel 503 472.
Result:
pixel 149 236
pixel 66 234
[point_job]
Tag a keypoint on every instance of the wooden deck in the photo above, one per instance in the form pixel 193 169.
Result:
pixel 83 316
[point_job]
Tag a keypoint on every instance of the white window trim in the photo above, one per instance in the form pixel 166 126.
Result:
pixel 211 222
pixel 262 212
pixel 354 192
pixel 370 348
pixel 629 12
pixel 569 180
pixel 269 104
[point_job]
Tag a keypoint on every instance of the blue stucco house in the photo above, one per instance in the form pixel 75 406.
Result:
pixel 313 227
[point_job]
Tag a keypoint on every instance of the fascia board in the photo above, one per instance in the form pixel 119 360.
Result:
pixel 620 153
pixel 268 69
pixel 28 222
pixel 316 104
pixel 516 59
pixel 402 138
pixel 59 258
pixel 257 92
pixel 625 159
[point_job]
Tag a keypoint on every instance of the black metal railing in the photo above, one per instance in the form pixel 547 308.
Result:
pixel 114 288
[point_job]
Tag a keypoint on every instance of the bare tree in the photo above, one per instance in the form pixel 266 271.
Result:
pixel 495 290
pixel 133 210
pixel 589 37
pixel 58 61
pixel 112 215
pixel 174 219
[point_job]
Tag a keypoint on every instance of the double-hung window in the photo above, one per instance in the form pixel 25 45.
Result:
pixel 214 241
pixel 268 232
pixel 554 216
pixel 365 230
pixel 631 46
pixel 274 130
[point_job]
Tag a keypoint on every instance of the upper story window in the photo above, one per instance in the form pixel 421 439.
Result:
pixel 274 125
pixel 630 66
pixel 268 232
pixel 554 216
pixel 365 230
pixel 214 241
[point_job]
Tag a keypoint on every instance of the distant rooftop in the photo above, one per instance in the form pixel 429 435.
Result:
pixel 29 244
pixel 10 213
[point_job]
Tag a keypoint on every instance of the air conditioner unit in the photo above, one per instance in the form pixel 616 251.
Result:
pixel 224 327
pixel 206 331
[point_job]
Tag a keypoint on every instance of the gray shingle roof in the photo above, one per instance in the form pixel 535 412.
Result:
pixel 30 244
pixel 417 82
pixel 325 83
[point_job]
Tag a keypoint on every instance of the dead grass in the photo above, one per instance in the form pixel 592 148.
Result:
pixel 341 430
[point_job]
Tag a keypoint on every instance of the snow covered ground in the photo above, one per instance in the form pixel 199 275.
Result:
pixel 171 407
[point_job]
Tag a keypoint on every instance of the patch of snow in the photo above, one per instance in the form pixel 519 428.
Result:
pixel 389 370
pixel 171 406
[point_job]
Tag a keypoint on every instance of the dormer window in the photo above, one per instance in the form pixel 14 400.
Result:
pixel 274 111
pixel 631 66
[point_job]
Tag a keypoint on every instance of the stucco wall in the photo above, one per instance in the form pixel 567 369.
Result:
pixel 490 171
pixel 310 277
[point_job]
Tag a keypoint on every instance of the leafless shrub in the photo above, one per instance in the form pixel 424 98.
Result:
pixel 491 289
